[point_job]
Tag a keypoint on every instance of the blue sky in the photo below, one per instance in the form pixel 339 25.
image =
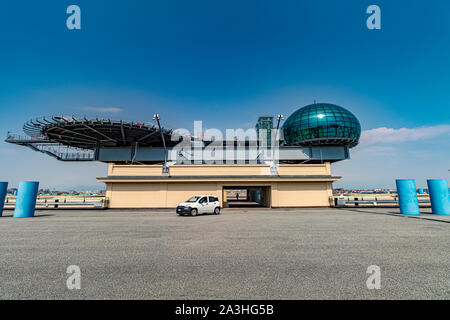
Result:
pixel 226 63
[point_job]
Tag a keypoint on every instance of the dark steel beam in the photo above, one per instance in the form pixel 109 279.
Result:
pixel 122 131
pixel 59 136
pixel 147 136
pixel 98 132
pixel 64 129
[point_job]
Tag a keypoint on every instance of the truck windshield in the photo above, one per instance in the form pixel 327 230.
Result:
pixel 193 199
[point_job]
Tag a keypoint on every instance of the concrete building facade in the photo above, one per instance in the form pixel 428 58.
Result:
pixel 144 186
pixel 153 167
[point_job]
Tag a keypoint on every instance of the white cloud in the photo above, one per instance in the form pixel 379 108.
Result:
pixel 385 154
pixel 390 135
pixel 103 110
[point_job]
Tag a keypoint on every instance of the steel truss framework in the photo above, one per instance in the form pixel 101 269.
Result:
pixel 71 139
pixel 90 134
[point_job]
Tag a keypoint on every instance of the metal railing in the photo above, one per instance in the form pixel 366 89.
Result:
pixel 374 202
pixel 12 137
pixel 63 203
pixel 58 151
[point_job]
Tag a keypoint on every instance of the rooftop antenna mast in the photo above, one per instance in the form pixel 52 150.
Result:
pixel 165 167
pixel 274 165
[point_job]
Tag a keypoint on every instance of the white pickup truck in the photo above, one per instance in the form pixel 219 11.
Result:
pixel 204 204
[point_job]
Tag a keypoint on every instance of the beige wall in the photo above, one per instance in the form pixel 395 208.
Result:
pixel 215 170
pixel 137 195
pixel 301 194
pixel 294 186
pixel 180 192
pixel 169 195
pixel 156 195
pixel 304 169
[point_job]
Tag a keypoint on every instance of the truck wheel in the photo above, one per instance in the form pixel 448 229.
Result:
pixel 217 210
pixel 194 212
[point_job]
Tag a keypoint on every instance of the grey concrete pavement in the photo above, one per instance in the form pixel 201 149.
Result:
pixel 241 254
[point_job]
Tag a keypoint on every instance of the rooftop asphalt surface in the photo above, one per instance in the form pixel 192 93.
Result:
pixel 240 254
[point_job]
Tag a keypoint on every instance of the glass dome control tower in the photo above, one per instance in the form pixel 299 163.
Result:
pixel 321 124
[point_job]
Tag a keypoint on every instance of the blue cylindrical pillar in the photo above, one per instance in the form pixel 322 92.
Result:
pixel 3 190
pixel 26 199
pixel 420 191
pixel 440 203
pixel 407 196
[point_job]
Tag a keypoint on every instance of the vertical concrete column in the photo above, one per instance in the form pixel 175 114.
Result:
pixel 440 203
pixel 3 189
pixel 26 199
pixel 407 196
pixel 274 201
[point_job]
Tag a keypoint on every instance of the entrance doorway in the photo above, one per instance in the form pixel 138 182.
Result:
pixel 246 196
